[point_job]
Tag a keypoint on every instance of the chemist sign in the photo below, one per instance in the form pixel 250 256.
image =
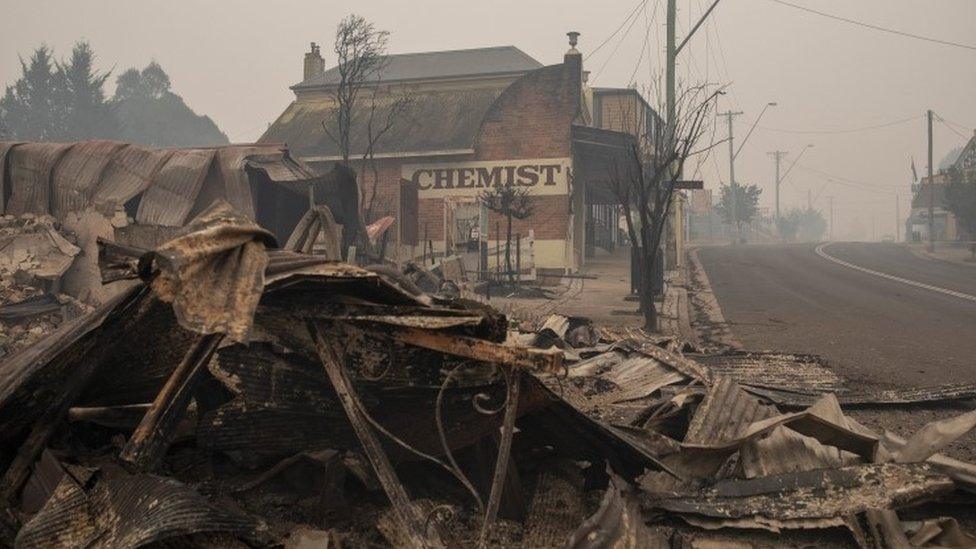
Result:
pixel 547 176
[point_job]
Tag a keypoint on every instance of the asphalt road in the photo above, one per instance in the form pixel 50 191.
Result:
pixel 909 322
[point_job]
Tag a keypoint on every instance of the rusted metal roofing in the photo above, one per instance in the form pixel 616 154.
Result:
pixel 772 370
pixel 30 169
pixel 819 494
pixel 169 201
pixel 130 171
pixel 129 511
pixel 5 147
pixel 78 173
pixel 57 178
pixel 725 413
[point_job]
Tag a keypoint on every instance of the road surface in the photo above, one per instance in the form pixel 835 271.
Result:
pixel 878 313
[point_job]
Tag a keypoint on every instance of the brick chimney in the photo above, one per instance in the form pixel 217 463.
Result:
pixel 314 64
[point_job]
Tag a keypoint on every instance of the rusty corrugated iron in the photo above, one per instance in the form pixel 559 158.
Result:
pixel 725 413
pixel 171 198
pixel 78 174
pixel 131 170
pixel 30 167
pixel 5 147
pixel 127 511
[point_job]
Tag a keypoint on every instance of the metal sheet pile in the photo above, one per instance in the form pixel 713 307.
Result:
pixel 240 395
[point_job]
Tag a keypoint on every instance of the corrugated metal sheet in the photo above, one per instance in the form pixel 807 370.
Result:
pixel 131 170
pixel 725 413
pixel 78 174
pixel 632 377
pixel 772 370
pixel 819 494
pixel 279 166
pixel 129 511
pixel 30 169
pixel 170 199
pixel 5 147
pixel 786 451
pixel 236 186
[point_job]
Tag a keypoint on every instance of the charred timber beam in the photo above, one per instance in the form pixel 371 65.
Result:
pixel 535 360
pixel 330 351
pixel 152 437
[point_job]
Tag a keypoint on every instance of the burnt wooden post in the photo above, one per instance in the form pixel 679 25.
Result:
pixel 330 350
pixel 152 437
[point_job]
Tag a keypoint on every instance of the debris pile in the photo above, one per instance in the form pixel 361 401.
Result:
pixel 34 254
pixel 240 395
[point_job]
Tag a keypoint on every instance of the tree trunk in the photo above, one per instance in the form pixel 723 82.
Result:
pixel 646 292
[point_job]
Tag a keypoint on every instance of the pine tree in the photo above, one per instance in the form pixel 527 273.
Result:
pixel 54 101
pixel 29 107
pixel 87 114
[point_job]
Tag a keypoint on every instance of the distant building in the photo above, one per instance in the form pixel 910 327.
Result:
pixel 474 117
pixel 945 225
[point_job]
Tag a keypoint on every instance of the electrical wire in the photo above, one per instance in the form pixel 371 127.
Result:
pixel 850 182
pixel 876 27
pixel 617 47
pixel 647 35
pixel 848 130
pixel 950 128
pixel 640 4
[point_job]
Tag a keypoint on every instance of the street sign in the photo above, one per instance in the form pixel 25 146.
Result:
pixel 688 185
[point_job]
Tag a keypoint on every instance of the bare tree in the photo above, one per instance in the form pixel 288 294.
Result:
pixel 513 202
pixel 383 114
pixel 643 181
pixel 360 56
pixel 362 108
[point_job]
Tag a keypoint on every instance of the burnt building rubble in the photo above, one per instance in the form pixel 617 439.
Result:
pixel 231 392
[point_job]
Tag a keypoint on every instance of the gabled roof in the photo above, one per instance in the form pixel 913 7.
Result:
pixel 496 60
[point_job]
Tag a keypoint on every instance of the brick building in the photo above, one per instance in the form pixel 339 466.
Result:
pixel 460 121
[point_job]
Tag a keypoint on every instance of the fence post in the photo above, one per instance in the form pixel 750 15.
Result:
pixel 518 257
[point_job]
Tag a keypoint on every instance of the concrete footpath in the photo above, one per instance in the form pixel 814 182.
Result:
pixel 952 253
pixel 606 299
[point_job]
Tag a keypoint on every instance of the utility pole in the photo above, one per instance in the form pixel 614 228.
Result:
pixel 777 157
pixel 734 190
pixel 809 200
pixel 672 53
pixel 931 192
pixel 897 217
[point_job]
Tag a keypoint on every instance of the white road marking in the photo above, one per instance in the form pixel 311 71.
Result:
pixel 820 251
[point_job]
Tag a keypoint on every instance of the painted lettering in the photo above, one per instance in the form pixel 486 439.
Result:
pixel 416 179
pixel 528 175
pixel 488 177
pixel 550 170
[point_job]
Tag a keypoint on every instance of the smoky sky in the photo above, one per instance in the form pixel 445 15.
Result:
pixel 235 60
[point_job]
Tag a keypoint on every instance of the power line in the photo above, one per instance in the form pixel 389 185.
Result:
pixel 614 33
pixel 848 130
pixel 950 128
pixel 617 47
pixel 647 35
pixel 850 182
pixel 876 27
